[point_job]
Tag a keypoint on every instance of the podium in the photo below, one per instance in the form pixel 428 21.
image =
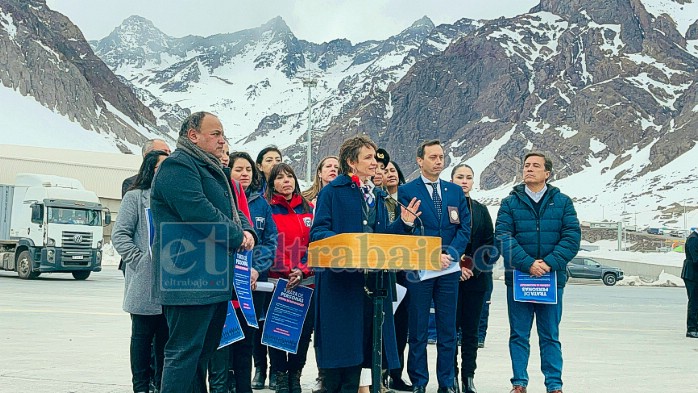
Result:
pixel 377 253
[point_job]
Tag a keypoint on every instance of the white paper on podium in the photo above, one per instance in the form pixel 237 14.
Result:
pixel 429 274
pixel 401 292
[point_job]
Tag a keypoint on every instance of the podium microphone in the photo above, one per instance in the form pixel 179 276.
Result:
pixel 421 224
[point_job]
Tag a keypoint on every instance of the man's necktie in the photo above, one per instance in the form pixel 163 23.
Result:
pixel 437 199
pixel 368 196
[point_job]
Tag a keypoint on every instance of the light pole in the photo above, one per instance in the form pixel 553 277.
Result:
pixel 309 83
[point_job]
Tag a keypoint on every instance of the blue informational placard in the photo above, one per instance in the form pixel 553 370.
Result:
pixel 243 287
pixel 285 317
pixel 232 331
pixel 532 289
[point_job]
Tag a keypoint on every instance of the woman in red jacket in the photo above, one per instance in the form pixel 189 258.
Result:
pixel 293 216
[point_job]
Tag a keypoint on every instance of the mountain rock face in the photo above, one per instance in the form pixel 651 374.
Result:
pixel 607 88
pixel 253 78
pixel 584 81
pixel 45 56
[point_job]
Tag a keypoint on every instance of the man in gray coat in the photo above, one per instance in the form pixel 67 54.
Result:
pixel 198 228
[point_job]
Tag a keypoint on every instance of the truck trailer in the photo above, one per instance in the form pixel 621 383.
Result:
pixel 50 224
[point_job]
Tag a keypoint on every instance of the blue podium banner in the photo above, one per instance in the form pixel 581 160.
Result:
pixel 243 286
pixel 532 289
pixel 232 331
pixel 285 317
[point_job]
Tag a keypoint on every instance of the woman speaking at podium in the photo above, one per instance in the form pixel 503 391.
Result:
pixel 343 311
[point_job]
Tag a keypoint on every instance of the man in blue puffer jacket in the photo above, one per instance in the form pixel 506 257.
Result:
pixel 538 232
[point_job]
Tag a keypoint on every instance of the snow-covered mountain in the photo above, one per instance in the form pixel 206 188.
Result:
pixel 253 78
pixel 607 88
pixel 56 93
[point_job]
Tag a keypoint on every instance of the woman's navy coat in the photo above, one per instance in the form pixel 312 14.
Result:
pixel 340 296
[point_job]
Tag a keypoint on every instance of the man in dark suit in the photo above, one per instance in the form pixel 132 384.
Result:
pixel 444 214
pixel 690 277
pixel 198 227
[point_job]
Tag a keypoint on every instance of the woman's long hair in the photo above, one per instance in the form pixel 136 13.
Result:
pixel 312 192
pixel 256 181
pixel 286 169
pixel 144 179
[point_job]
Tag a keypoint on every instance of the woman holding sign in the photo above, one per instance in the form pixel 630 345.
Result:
pixel 293 216
pixel 131 238
pixel 343 312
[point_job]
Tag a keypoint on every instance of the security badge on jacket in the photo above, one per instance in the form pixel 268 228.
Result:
pixel 453 215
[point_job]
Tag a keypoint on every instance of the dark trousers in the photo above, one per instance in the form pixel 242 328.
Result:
pixel 147 332
pixel 485 316
pixel 692 312
pixel 237 357
pixel 195 332
pixel 342 380
pixel 444 291
pixel 401 322
pixel 259 351
pixel 468 320
pixel 288 362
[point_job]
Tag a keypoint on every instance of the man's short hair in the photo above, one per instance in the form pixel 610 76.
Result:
pixel 548 162
pixel 148 146
pixel 420 149
pixel 193 121
pixel 349 151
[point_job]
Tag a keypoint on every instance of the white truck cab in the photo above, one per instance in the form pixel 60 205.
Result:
pixel 55 225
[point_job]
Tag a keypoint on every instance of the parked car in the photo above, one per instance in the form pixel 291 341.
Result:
pixel 679 233
pixel 582 267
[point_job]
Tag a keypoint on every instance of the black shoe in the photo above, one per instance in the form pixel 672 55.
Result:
pixel 294 382
pixel 692 334
pixel 450 389
pixel 272 380
pixel 399 384
pixel 260 377
pixel 281 379
pixel 419 389
pixel 469 385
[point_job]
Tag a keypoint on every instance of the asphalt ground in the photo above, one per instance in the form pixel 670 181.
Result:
pixel 59 335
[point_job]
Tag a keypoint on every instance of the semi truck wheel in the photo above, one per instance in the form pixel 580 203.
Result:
pixel 24 266
pixel 81 275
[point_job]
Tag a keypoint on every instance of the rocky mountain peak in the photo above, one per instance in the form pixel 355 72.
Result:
pixel 140 26
pixel 277 25
pixel 47 58
pixel 629 14
pixel 422 23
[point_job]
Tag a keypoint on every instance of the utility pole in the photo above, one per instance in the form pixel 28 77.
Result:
pixel 309 83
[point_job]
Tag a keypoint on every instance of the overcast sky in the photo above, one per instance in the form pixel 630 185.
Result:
pixel 312 20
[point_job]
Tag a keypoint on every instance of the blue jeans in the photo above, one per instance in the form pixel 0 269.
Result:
pixel 548 318
pixel 444 291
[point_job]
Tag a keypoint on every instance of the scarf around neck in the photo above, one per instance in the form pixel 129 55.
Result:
pixel 187 146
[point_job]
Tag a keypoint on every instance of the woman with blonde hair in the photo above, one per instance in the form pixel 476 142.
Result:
pixel 327 170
